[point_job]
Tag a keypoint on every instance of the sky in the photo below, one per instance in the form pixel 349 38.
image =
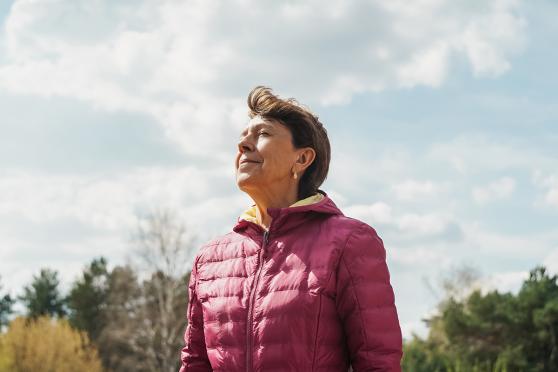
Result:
pixel 442 115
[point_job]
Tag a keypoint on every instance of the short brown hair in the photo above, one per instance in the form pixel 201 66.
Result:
pixel 306 130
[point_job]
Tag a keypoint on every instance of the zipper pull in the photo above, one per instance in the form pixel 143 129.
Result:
pixel 264 251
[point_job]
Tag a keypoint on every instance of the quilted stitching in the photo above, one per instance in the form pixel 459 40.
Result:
pixel 323 300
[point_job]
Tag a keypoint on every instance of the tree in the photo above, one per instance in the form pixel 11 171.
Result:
pixel 42 296
pixel 46 344
pixel 87 299
pixel 492 331
pixel 423 356
pixel 166 317
pixel 136 314
pixel 163 249
pixel 6 303
pixel 117 341
pixel 537 319
pixel 130 339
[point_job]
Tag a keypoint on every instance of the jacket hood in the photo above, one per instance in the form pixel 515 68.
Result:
pixel 317 203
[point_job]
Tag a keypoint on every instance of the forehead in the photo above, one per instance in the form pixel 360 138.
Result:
pixel 258 122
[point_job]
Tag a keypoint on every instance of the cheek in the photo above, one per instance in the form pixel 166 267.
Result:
pixel 279 161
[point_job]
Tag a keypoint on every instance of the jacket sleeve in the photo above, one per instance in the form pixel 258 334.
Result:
pixel 194 354
pixel 366 304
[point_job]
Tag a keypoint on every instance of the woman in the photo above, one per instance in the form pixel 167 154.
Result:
pixel 296 286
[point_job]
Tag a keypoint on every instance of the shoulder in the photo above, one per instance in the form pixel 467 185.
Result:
pixel 353 237
pixel 350 226
pixel 361 239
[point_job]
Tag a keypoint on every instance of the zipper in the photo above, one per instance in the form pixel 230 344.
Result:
pixel 251 302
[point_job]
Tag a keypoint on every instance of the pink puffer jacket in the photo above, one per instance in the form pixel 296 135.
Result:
pixel 312 294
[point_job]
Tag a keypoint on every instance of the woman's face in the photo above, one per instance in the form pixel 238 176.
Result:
pixel 266 155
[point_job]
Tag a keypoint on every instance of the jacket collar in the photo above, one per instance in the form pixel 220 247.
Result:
pixel 250 213
pixel 318 203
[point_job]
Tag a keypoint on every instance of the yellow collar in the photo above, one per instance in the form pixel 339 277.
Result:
pixel 250 213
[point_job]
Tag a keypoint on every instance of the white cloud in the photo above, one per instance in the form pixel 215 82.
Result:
pixel 429 67
pixel 488 36
pixel 419 257
pixel 504 281
pixel 408 225
pixel 549 183
pixel 24 254
pixel 339 199
pixel 418 328
pixel 473 153
pixel 551 261
pixel 381 168
pixel 500 189
pixel 410 190
pixel 424 224
pixel 111 203
pixel 552 196
pixel 62 221
pixel 191 63
pixel 478 240
pixel 374 213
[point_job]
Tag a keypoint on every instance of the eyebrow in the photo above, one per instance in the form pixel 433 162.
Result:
pixel 255 127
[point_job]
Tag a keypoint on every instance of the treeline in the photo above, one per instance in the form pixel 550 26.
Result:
pixel 474 331
pixel 128 318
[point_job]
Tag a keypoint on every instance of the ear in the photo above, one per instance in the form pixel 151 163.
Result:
pixel 306 157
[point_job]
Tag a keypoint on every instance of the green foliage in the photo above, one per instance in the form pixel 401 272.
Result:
pixel 6 303
pixel 537 320
pixel 421 356
pixel 42 296
pixel 87 299
pixel 492 332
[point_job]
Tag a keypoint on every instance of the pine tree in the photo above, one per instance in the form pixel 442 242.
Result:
pixel 42 296
pixel 6 303
pixel 87 300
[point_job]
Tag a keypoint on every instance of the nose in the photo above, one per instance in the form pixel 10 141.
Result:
pixel 244 145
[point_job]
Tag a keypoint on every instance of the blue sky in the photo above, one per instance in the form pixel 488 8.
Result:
pixel 442 117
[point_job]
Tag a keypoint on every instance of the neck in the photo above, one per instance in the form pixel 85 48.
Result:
pixel 265 200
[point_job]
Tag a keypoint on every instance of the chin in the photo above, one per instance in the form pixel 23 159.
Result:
pixel 245 182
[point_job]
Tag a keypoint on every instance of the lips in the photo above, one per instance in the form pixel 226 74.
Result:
pixel 248 161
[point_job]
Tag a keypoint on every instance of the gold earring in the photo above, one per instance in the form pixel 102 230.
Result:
pixel 295 175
